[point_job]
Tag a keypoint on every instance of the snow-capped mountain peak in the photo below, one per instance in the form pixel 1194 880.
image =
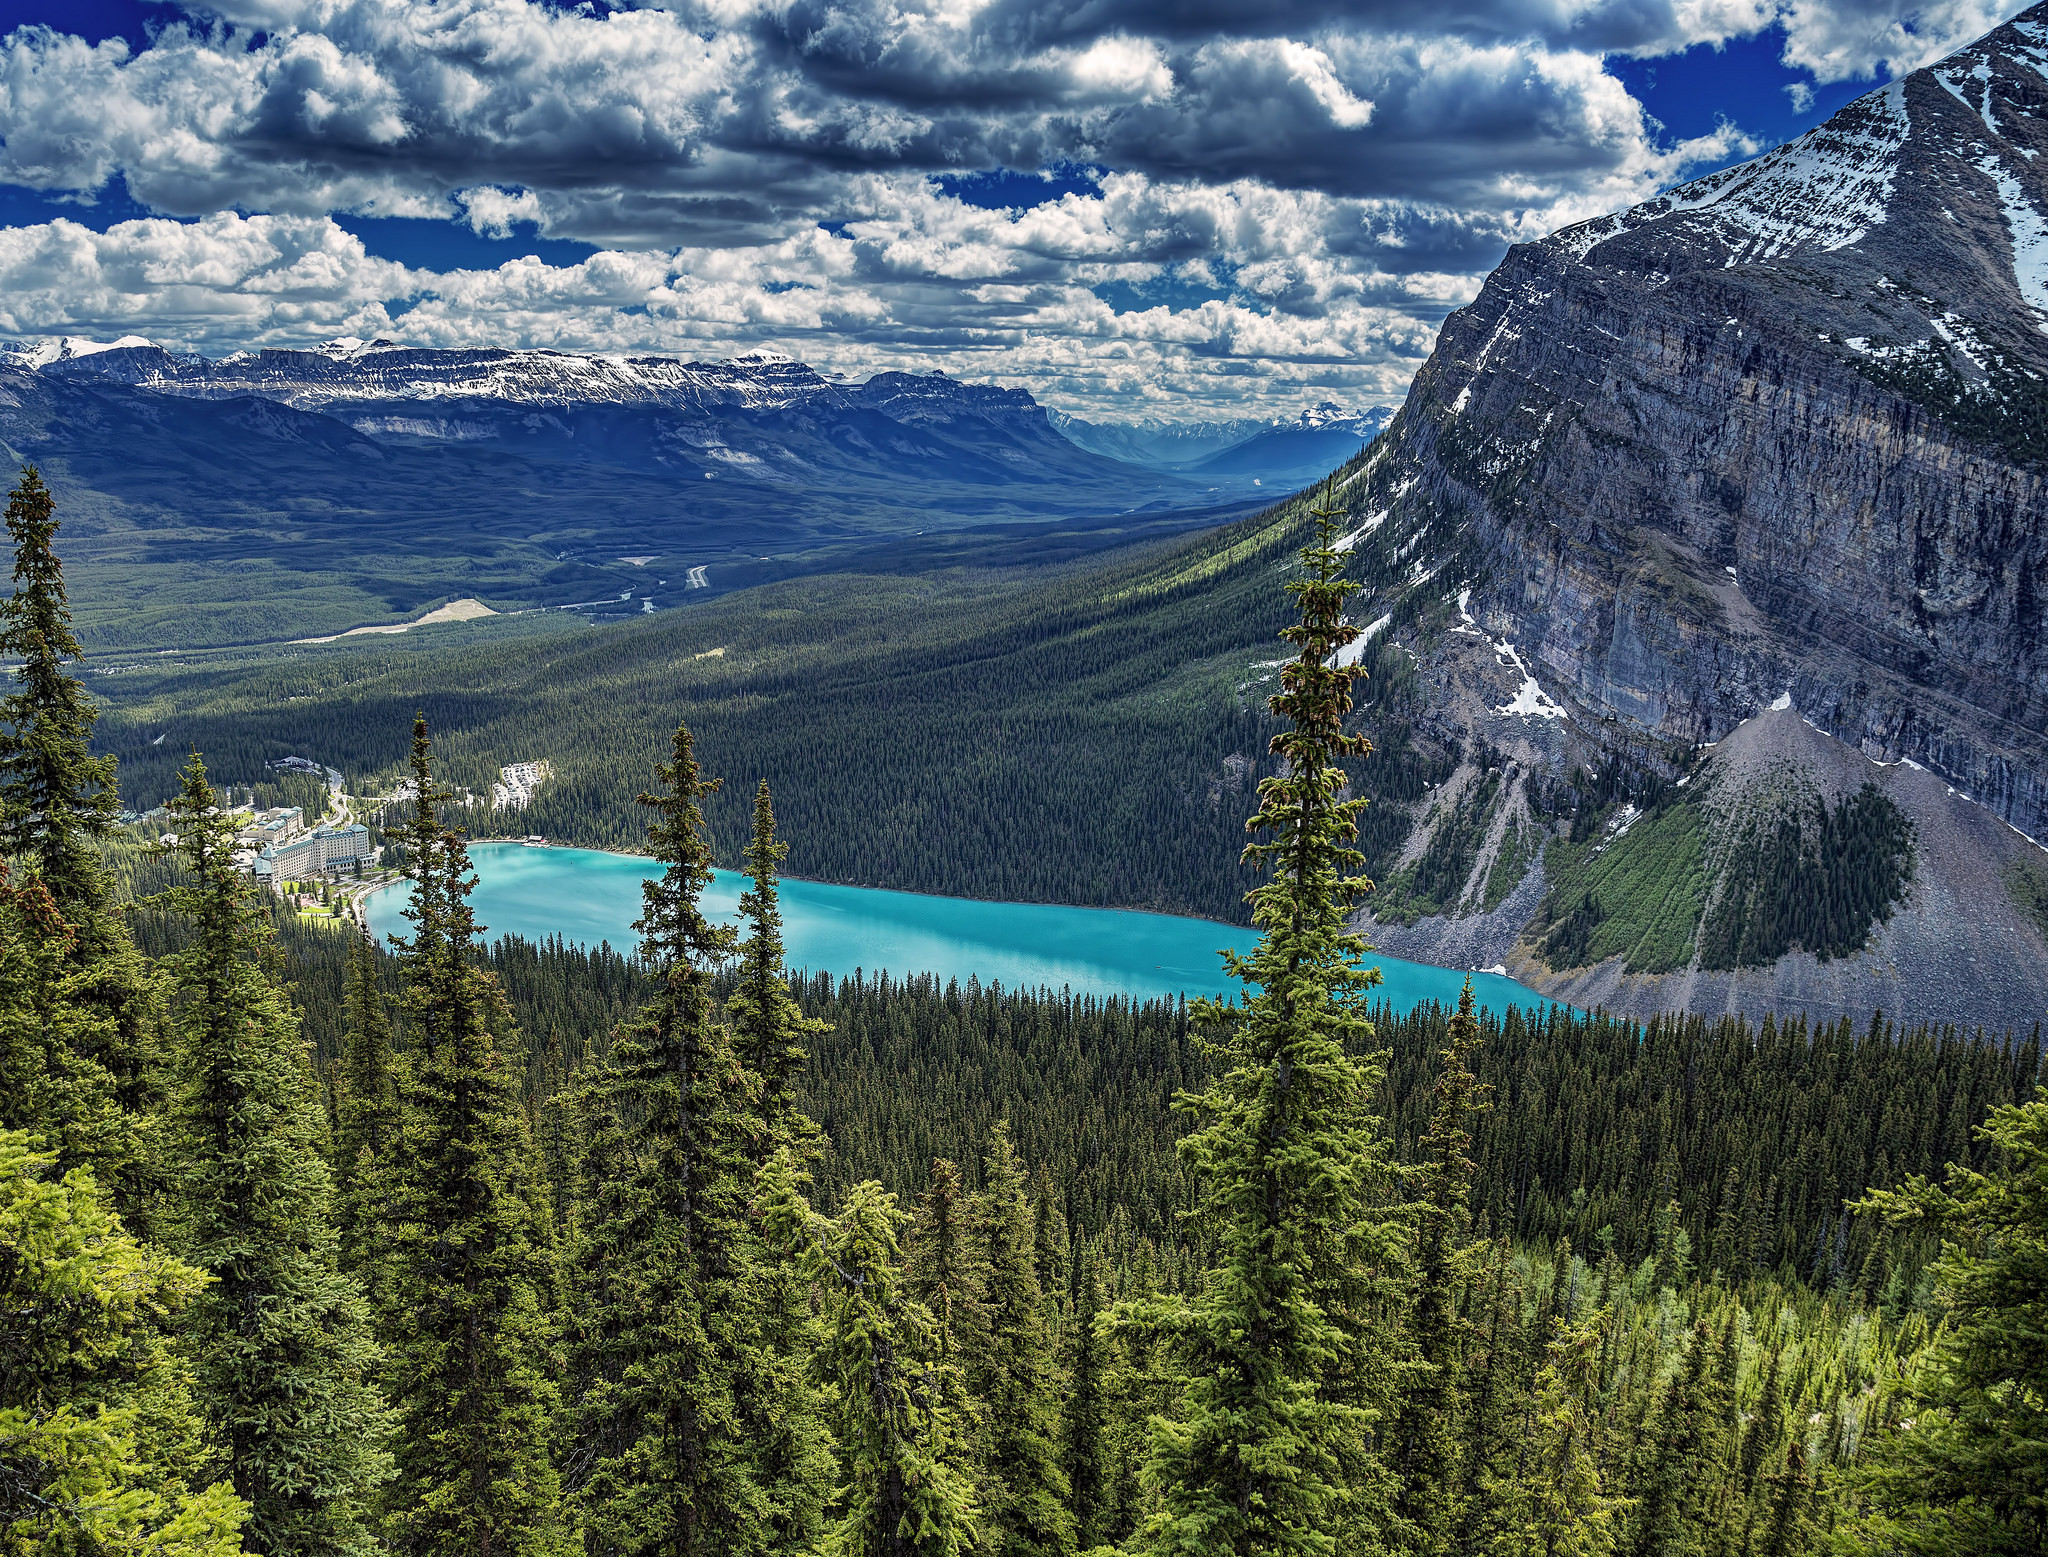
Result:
pixel 1943 164
pixel 68 348
pixel 1328 414
pixel 1824 190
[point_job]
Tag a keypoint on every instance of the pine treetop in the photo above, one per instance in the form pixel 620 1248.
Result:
pixel 280 1340
pixel 770 1030
pixel 57 800
pixel 674 933
pixel 1279 1352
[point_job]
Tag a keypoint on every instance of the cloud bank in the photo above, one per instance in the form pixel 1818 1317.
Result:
pixel 1252 205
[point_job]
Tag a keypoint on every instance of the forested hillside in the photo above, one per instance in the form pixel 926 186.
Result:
pixel 1084 734
pixel 557 1252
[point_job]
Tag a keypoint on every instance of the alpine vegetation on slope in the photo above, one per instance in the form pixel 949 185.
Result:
pixel 1770 442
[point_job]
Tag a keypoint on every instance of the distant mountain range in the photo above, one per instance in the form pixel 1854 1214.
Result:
pixel 294 493
pixel 1706 515
pixel 760 415
pixel 1275 452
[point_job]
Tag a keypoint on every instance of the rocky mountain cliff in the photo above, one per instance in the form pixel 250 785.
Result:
pixel 1774 441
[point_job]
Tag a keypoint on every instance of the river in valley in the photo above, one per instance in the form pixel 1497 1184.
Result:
pixel 588 896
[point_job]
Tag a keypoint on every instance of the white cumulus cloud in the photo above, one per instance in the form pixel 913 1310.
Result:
pixel 1254 203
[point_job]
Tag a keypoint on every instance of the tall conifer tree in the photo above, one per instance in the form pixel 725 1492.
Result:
pixel 1052 1247
pixel 1013 1372
pixel 1678 1455
pixel 1495 1434
pixel 1084 1419
pixel 472 1369
pixel 367 1129
pixel 87 1071
pixel 943 1271
pixel 1788 1520
pixel 1277 1344
pixel 1558 1507
pixel 908 1493
pixel 770 1030
pixel 940 1268
pixel 670 1277
pixel 781 1409
pixel 1971 1473
pixel 1766 1424
pixel 1427 1435
pixel 280 1339
pixel 57 800
pixel 99 1439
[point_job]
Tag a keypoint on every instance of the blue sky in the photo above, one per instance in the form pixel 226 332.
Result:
pixel 1134 207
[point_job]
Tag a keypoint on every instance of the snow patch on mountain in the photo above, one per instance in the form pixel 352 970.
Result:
pixel 2029 235
pixel 1978 98
pixel 68 348
pixel 1372 523
pixel 1823 191
pixel 1354 651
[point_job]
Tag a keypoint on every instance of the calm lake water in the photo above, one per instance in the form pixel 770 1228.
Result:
pixel 587 896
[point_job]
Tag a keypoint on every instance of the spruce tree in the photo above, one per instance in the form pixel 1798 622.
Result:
pixel 472 1366
pixel 943 1271
pixel 367 1127
pixel 1496 1436
pixel 672 1285
pixel 1084 1419
pixel 1427 1434
pixel 1559 1508
pixel 1968 1470
pixel 1279 1348
pixel 1052 1249
pixel 1013 1374
pixel 99 1438
pixel 86 1063
pixel 1671 1248
pixel 57 800
pixel 770 1031
pixel 908 1493
pixel 280 1340
pixel 1678 1455
pixel 1138 1388
pixel 781 1410
pixel 1788 1520
pixel 1766 1424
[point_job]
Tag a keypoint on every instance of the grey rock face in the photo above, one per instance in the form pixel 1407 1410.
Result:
pixel 1776 440
pixel 1782 429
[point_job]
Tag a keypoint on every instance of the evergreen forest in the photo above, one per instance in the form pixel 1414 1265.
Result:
pixel 441 1249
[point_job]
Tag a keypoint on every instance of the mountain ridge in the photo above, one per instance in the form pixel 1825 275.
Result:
pixel 293 493
pixel 1767 441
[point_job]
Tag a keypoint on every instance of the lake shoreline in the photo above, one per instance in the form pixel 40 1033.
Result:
pixel 590 897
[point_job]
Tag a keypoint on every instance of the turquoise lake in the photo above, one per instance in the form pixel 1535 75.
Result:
pixel 587 896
